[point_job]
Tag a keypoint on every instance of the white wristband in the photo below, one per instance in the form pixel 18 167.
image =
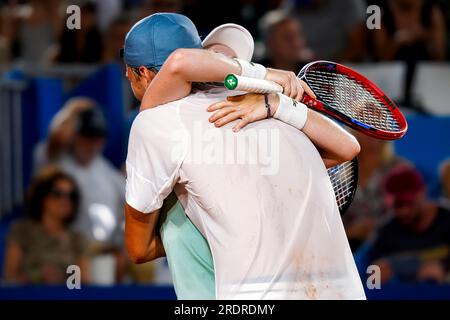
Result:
pixel 252 70
pixel 291 112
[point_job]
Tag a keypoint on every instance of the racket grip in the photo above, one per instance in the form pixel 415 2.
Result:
pixel 235 82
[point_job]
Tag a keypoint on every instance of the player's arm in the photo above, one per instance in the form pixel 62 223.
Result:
pixel 142 239
pixel 334 143
pixel 185 66
pixel 152 172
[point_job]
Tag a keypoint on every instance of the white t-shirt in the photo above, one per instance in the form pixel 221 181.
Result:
pixel 261 197
pixel 100 215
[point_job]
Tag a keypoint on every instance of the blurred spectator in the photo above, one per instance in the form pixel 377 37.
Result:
pixel 32 29
pixel 101 185
pixel 445 182
pixel 208 14
pixel 334 29
pixel 376 160
pixel 42 246
pixel 84 45
pixel 285 42
pixel 411 31
pixel 75 144
pixel 414 244
pixel 61 133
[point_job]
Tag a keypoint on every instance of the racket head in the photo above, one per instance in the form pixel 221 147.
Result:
pixel 354 100
pixel 344 179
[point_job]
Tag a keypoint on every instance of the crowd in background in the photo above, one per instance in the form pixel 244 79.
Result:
pixel 74 203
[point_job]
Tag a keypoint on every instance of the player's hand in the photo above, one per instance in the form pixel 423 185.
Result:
pixel 248 107
pixel 292 86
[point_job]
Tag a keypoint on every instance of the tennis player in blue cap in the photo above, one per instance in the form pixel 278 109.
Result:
pixel 266 243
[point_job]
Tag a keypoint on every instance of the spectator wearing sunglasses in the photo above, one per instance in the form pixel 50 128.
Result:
pixel 77 136
pixel 414 245
pixel 42 246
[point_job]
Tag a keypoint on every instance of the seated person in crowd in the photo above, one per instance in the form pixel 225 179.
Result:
pixel 102 186
pixel 25 22
pixel 413 246
pixel 411 31
pixel 61 133
pixel 376 160
pixel 334 29
pixel 84 45
pixel 285 46
pixel 41 247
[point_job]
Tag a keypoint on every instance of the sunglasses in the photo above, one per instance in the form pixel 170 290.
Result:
pixel 62 194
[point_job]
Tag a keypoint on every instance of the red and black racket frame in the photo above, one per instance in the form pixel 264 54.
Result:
pixel 322 107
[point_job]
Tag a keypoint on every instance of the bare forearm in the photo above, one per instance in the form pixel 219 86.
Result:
pixel 334 143
pixel 154 250
pixel 183 67
pixel 198 65
pixel 328 159
pixel 141 237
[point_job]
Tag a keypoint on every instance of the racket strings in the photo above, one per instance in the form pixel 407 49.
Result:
pixel 350 97
pixel 343 189
pixel 343 180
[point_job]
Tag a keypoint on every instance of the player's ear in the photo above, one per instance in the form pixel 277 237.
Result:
pixel 147 73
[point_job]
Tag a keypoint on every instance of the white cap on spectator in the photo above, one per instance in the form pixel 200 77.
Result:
pixel 234 36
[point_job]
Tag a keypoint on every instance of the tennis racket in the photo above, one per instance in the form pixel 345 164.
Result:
pixel 344 179
pixel 343 94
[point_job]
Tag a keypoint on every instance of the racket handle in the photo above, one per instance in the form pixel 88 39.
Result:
pixel 235 82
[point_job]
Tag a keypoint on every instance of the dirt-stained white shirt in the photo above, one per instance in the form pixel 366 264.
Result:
pixel 261 197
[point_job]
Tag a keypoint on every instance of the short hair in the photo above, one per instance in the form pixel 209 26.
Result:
pixel 41 187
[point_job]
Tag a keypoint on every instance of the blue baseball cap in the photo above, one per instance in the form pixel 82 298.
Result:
pixel 151 40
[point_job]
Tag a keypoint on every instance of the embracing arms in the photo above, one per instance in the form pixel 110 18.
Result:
pixel 334 144
pixel 185 66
